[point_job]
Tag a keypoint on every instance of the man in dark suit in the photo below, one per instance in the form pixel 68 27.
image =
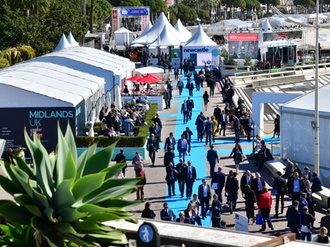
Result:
pixel 190 176
pixel 182 147
pixel 256 185
pixel 316 183
pixel 295 187
pixel 204 196
pixel 182 219
pixel 185 111
pixel 190 87
pixel 208 131
pixel 169 142
pixel 157 120
pixel 188 133
pixel 191 106
pixel 217 114
pixel 293 218
pixel 237 128
pixel 212 158
pixel 181 168
pixel 200 127
pixel 246 179
pixel 170 179
pixel 263 155
pixel 152 148
pixel 279 186
pixel 167 214
pixel 223 120
pixel 219 178
pixel 325 221
pixel 168 157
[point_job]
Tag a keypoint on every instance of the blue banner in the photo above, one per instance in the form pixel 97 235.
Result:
pixel 134 11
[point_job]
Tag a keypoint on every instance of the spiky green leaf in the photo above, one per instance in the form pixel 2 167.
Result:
pixel 71 214
pixel 63 196
pixel 43 174
pixel 13 213
pixel 94 181
pixel 8 185
pixel 69 138
pixel 82 160
pixel 99 160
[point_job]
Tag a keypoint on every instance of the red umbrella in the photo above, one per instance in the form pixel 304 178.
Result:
pixel 149 79
pixel 134 78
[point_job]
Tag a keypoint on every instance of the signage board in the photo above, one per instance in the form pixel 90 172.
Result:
pixel 133 12
pixel 242 37
pixel 241 223
pixel 283 35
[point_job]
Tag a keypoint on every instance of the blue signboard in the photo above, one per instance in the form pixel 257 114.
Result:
pixel 133 11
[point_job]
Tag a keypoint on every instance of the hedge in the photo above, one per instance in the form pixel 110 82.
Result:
pixel 123 141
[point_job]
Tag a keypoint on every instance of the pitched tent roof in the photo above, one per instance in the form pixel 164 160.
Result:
pixel 71 40
pixel 63 44
pixel 200 39
pixel 165 39
pixel 151 35
pixel 181 29
pixel 306 103
pixel 266 27
pixel 36 84
pixel 123 30
pixel 148 27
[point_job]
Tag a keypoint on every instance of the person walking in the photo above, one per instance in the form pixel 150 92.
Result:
pixel 293 218
pixel 279 186
pixel 232 189
pixel 180 168
pixel 277 126
pixel 169 157
pixel 237 128
pixel 200 127
pixel 191 106
pixel 217 114
pixel 180 86
pixel 188 133
pixel 246 179
pixel 190 177
pixel 208 131
pixel 139 172
pixel 170 179
pixel 204 196
pixel 223 123
pixel 182 147
pixel 169 142
pixel 265 205
pixel 152 148
pixel 257 184
pixel 190 87
pixel 213 158
pixel 185 111
pixel 250 200
pixel 218 182
pixel 121 158
pixel 206 99
pixel 216 210
pixel 237 155
pixel 307 221
pixel 215 127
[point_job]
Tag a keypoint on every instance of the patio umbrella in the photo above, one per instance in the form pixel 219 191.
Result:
pixel 134 78
pixel 149 79
pixel 149 70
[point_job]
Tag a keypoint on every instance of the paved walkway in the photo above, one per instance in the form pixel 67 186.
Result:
pixel 156 188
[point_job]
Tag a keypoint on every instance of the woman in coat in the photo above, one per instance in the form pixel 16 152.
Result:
pixel 265 205
pixel 237 155
pixel 206 99
pixel 215 127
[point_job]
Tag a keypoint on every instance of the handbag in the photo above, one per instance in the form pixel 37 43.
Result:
pixel 259 219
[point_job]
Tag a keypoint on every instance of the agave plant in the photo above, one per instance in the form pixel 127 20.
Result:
pixel 66 199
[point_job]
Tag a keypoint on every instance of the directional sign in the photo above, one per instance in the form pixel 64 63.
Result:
pixel 134 11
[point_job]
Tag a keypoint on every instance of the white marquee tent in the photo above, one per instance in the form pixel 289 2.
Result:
pixel 38 95
pixel 226 26
pixel 72 40
pixel 297 134
pixel 165 39
pixel 201 49
pixel 151 35
pixel 63 44
pixel 123 36
pixel 181 29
